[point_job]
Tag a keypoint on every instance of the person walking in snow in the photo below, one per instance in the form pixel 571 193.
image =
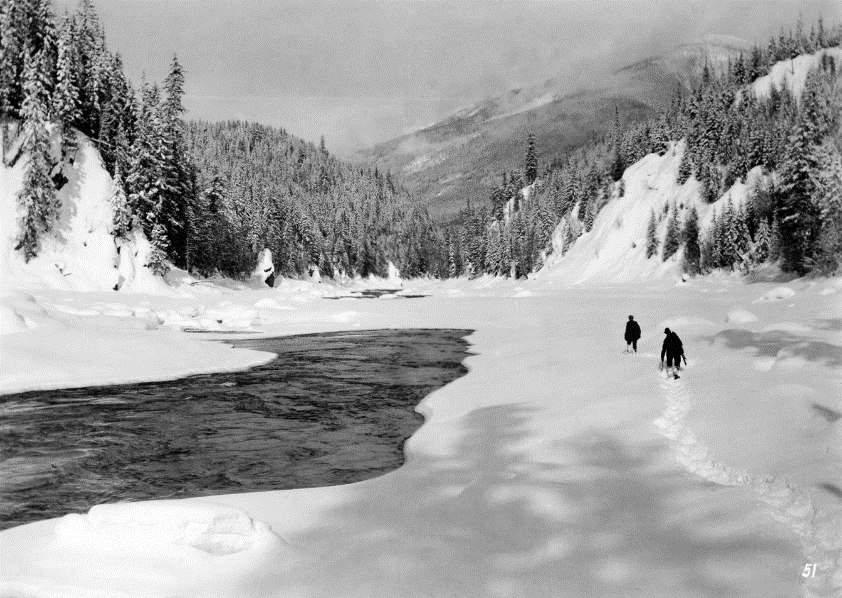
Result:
pixel 632 335
pixel 674 351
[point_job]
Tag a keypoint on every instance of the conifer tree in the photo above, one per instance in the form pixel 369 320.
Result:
pixel 829 201
pixel 65 100
pixel 37 196
pixel 90 76
pixel 798 216
pixel 716 239
pixel 530 170
pixel 692 248
pixel 177 170
pixel 728 236
pixel 775 241
pixel 742 238
pixel 762 243
pixel 672 240
pixel 158 255
pixel 12 27
pixel 685 167
pixel 493 253
pixel 123 221
pixel 652 241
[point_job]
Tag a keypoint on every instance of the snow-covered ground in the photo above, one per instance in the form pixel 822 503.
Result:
pixel 558 466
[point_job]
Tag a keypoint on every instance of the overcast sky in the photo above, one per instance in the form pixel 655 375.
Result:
pixel 360 72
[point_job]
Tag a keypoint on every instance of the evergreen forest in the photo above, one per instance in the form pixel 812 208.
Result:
pixel 211 196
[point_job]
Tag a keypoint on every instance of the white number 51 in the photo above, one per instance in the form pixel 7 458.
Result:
pixel 809 570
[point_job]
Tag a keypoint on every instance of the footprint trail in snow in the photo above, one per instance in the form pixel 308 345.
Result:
pixel 819 529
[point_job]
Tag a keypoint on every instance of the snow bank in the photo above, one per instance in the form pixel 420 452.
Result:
pixel 160 526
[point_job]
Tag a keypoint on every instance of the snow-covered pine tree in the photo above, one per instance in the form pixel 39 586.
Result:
pixel 530 170
pixel 27 30
pixel 692 248
pixel 158 255
pixel 728 236
pixel 546 221
pixel 493 253
pixel 117 122
pixel 685 168
pixel 652 241
pixel 65 100
pixel 762 242
pixel 506 252
pixel 123 221
pixel 797 214
pixel 742 237
pixel 829 199
pixel 12 28
pixel 672 240
pixel 37 197
pixel 618 165
pixel 146 181
pixel 775 240
pixel 660 135
pixel 716 236
pixel 89 44
pixel 177 168
pixel 590 214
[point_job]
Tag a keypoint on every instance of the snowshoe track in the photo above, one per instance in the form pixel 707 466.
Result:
pixel 820 532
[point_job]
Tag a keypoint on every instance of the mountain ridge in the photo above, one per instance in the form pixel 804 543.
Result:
pixel 460 157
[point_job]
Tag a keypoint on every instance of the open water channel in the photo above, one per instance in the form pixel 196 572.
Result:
pixel 331 409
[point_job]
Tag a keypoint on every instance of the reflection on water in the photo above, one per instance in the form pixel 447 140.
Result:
pixel 331 409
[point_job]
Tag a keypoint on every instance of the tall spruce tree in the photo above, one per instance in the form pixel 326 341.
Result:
pixel 530 170
pixel 37 198
pixel 122 222
pixel 177 168
pixel 652 241
pixel 692 248
pixel 65 100
pixel 797 214
pixel 672 240
pixel 762 242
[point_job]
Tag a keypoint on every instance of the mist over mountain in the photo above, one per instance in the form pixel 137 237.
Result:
pixel 459 158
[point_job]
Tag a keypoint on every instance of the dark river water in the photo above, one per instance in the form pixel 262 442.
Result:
pixel 331 409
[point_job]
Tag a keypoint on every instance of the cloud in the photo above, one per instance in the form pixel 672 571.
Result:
pixel 356 67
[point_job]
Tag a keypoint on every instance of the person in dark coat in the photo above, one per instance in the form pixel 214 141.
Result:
pixel 674 351
pixel 632 335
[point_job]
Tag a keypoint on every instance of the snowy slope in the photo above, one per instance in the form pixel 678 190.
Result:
pixel 614 251
pixel 793 73
pixel 80 253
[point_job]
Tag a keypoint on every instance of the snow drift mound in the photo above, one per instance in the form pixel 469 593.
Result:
pixel 79 253
pixel 161 525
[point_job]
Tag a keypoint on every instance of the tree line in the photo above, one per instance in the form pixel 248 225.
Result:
pixel 208 196
pixel 793 216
